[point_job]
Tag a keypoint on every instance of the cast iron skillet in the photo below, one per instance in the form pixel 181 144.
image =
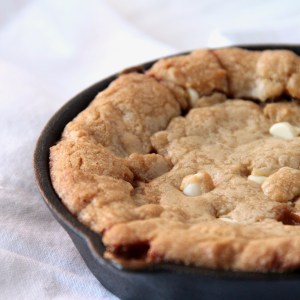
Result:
pixel 163 281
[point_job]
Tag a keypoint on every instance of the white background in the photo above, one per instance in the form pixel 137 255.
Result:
pixel 52 49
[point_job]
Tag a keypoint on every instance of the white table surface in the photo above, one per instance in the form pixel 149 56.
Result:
pixel 52 49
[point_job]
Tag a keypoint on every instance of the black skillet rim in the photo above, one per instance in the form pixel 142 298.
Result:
pixel 51 134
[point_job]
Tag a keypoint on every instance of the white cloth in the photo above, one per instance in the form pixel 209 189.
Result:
pixel 52 49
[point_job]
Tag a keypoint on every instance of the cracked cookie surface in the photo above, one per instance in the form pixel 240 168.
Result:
pixel 121 162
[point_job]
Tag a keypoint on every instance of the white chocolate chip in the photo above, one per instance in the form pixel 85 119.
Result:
pixel 229 220
pixel 257 179
pixel 284 130
pixel 193 189
pixel 197 184
pixel 193 94
pixel 264 171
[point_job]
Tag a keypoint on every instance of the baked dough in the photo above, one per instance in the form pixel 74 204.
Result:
pixel 120 163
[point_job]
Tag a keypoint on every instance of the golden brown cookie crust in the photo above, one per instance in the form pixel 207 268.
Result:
pixel 120 163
